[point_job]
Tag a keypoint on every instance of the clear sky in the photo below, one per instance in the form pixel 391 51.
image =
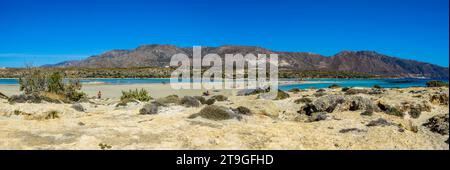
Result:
pixel 46 32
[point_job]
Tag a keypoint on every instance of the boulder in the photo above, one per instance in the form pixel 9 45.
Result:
pixel 201 99
pixel 353 91
pixel 438 124
pixel 190 101
pixel 317 116
pixel 214 112
pixel 171 99
pixel 242 110
pixel 390 110
pixel 78 107
pixel 303 100
pixel 210 101
pixel 219 98
pixel 25 98
pixel 149 108
pixel 281 95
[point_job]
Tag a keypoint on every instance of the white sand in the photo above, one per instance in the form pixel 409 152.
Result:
pixel 272 126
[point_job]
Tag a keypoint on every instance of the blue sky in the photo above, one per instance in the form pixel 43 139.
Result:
pixel 45 32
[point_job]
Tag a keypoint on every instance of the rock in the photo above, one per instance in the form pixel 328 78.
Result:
pixel 319 94
pixel 390 110
pixel 441 99
pixel 334 86
pixel 78 107
pixel 23 98
pixel 376 91
pixel 214 112
pixel 190 101
pixel 345 89
pixel 282 95
pixel 380 122
pixel 201 99
pixel 351 130
pixel 352 91
pixel 415 113
pixel 329 103
pixel 242 110
pixel 247 92
pixel 171 99
pixel 294 90
pixel 438 124
pixel 361 103
pixel 219 98
pixel 303 100
pixel 149 108
pixel 320 90
pixel 317 116
pixel 2 96
pixel 210 101
pixel 368 112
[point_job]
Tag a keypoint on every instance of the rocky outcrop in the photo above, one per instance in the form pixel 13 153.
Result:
pixel 438 124
pixel 214 112
pixel 330 103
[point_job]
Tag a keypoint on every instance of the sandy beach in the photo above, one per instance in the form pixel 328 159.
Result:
pixel 273 124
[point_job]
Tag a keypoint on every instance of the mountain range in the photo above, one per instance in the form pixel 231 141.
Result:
pixel 369 62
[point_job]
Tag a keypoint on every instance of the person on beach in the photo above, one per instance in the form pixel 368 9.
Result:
pixel 99 95
pixel 206 93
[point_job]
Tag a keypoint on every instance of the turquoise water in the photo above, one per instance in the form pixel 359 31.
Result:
pixel 385 83
pixel 315 83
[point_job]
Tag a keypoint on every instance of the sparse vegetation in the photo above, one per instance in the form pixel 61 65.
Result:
pixel 53 114
pixel 414 113
pixel 140 95
pixel 436 83
pixel 47 85
pixel 376 86
pixel 334 86
pixel 303 100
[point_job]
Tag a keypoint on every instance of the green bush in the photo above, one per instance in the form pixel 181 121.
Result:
pixel 303 100
pixel 345 89
pixel 415 113
pixel 376 86
pixel 141 95
pixel 36 82
pixel 334 86
pixel 436 83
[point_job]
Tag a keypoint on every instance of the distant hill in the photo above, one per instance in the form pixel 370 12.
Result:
pixel 356 61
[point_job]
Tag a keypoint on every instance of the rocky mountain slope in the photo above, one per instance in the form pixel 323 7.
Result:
pixel 357 61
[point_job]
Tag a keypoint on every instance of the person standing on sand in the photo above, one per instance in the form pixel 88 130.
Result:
pixel 99 95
